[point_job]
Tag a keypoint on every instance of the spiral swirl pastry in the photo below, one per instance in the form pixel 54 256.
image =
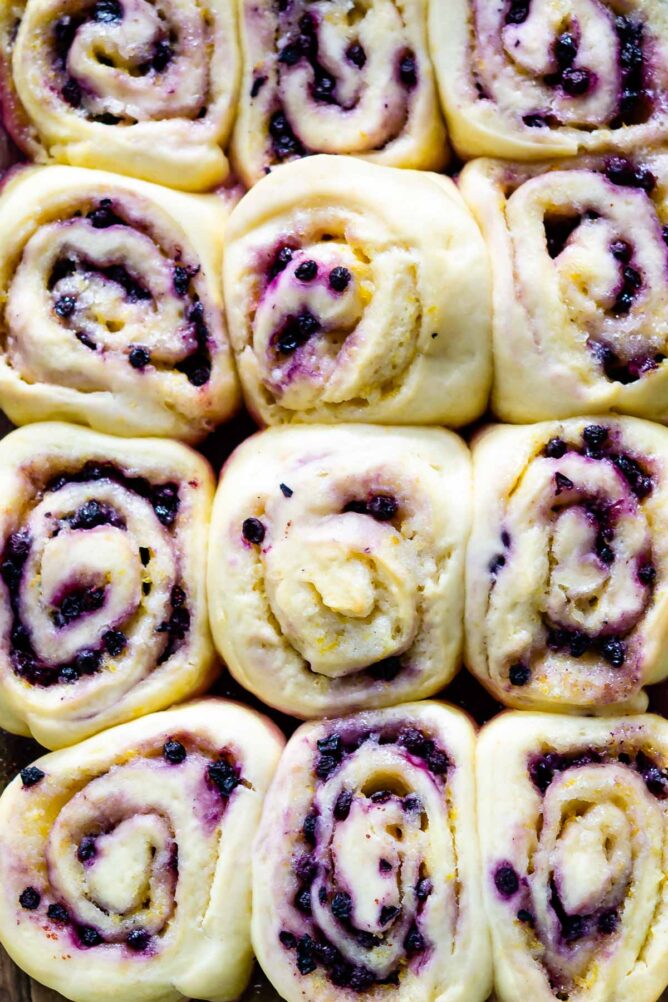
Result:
pixel 336 564
pixel 333 77
pixel 567 566
pixel 574 842
pixel 365 867
pixel 126 859
pixel 102 580
pixel 534 79
pixel 356 292
pixel 140 87
pixel 579 263
pixel 111 305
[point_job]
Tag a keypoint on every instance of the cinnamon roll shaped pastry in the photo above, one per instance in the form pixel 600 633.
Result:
pixel 125 860
pixel 131 86
pixel 320 77
pixel 356 292
pixel 102 580
pixel 579 263
pixel 111 305
pixel 366 876
pixel 574 842
pixel 534 79
pixel 336 563
pixel 567 565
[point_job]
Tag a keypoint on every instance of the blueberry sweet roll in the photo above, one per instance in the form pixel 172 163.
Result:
pixel 140 87
pixel 574 842
pixel 365 867
pixel 336 77
pixel 125 861
pixel 579 259
pixel 567 604
pixel 102 580
pixel 336 565
pixel 356 292
pixel 111 305
pixel 534 79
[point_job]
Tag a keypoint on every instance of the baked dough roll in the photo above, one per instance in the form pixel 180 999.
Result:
pixel 366 876
pixel 574 842
pixel 111 305
pixel 567 565
pixel 133 87
pixel 320 78
pixel 358 293
pixel 125 860
pixel 336 565
pixel 579 260
pixel 534 79
pixel 102 580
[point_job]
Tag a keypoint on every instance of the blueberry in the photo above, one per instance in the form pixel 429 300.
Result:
pixel 555 448
pixel 386 670
pixel 380 797
pixel 614 652
pixel 30 899
pixel 573 927
pixel 162 56
pixel 303 901
pixel 281 260
pixel 656 781
pixel 382 507
pixel 181 280
pixel 253 530
pixel 342 906
pixel 361 979
pixel 88 936
pixel 31 775
pixel 621 250
pixel 385 866
pixel 288 940
pixel 343 805
pixel 496 563
pixel 87 661
pixel 575 81
pixel 339 279
pixel 595 436
pixel 224 776
pixel 542 774
pixel 107 11
pixel 621 171
pixel 565 49
pixel 139 357
pixel 68 673
pixel 423 889
pixel 518 11
pixel 87 849
pixel 306 870
pixel 138 940
pixel 306 962
pixel 290 54
pixel 526 917
pixel 412 804
pixel 506 880
pixel 356 55
pixel 562 483
pixel 605 554
pixel 57 913
pixel 103 215
pixel 607 922
pixel 309 828
pixel 174 751
pixel 72 93
pixel 258 84
pixel 115 642
pixel 647 574
pixel 414 941
pixel 65 306
pixel 326 765
pixel 519 674
pixel 536 121
pixel 408 71
pixel 578 644
pixel 306 271
pixel 438 762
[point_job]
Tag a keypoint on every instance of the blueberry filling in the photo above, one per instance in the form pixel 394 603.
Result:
pixel 31 775
pixel 253 530
pixel 30 899
pixel 557 231
pixel 72 93
pixel 295 332
pixel 224 776
pixel 608 922
pixel 543 768
pixel 57 913
pixel 197 366
pixel 634 98
pixel 177 626
pixel 381 507
pixel 77 603
pixel 173 751
pixel 385 670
